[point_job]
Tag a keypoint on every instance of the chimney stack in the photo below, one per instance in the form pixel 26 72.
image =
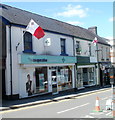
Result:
pixel 93 29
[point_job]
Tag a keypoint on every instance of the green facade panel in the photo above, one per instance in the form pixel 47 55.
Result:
pixel 82 59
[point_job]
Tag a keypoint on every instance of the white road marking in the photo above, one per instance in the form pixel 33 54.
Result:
pixel 104 98
pixel 105 111
pixel 88 116
pixel 96 113
pixel 72 108
pixel 92 113
pixel 108 113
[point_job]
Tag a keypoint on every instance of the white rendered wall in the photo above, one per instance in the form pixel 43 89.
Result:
pixel 38 47
pixel 103 52
pixel 85 47
pixel 7 75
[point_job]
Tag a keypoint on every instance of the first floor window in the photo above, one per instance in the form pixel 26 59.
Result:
pixel 77 47
pixel 63 51
pixel 89 49
pixel 27 42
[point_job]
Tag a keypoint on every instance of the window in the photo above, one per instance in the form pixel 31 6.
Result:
pixel 64 75
pixel 89 49
pixel 91 76
pixel 41 80
pixel 63 49
pixel 79 82
pixel 107 53
pixel 102 53
pixel 77 47
pixel 27 42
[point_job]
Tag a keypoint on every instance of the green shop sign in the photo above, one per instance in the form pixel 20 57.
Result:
pixel 44 59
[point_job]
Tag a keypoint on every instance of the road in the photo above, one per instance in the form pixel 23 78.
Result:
pixel 76 107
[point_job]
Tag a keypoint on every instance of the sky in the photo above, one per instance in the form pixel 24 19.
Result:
pixel 84 14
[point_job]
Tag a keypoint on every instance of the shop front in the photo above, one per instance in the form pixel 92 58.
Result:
pixel 105 74
pixel 86 76
pixel 43 74
pixel 61 78
pixel 86 72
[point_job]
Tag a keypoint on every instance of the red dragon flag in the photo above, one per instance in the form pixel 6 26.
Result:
pixel 35 29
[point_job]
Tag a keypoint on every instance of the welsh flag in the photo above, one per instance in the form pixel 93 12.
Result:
pixel 95 41
pixel 35 29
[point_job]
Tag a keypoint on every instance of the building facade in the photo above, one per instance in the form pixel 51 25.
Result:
pixel 86 71
pixel 32 67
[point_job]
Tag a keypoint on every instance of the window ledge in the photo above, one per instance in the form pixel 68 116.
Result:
pixel 29 51
pixel 64 54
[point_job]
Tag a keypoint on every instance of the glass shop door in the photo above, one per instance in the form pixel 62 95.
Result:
pixel 54 81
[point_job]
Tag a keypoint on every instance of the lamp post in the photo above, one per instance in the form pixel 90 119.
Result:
pixel 95 41
pixel 112 81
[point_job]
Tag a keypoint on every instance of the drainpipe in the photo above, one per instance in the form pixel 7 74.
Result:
pixel 75 76
pixel 98 66
pixel 10 60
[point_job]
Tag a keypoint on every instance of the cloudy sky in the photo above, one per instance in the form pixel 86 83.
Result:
pixel 84 14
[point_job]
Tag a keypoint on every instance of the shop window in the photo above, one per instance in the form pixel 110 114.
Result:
pixel 79 78
pixel 28 43
pixel 41 80
pixel 85 76
pixel 91 76
pixel 64 77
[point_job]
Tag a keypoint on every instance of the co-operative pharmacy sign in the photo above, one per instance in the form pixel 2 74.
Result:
pixel 44 59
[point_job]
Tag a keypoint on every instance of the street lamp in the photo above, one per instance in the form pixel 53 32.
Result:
pixel 112 82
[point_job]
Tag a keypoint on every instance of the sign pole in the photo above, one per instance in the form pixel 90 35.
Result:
pixel 113 90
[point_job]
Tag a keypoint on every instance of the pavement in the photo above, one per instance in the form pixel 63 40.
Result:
pixel 15 104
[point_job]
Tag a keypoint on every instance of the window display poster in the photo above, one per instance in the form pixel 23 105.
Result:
pixel 62 71
pixel 66 75
pixel 58 79
pixel 41 82
pixel 62 75
pixel 62 78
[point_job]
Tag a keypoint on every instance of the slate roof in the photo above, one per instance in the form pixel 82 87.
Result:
pixel 22 17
